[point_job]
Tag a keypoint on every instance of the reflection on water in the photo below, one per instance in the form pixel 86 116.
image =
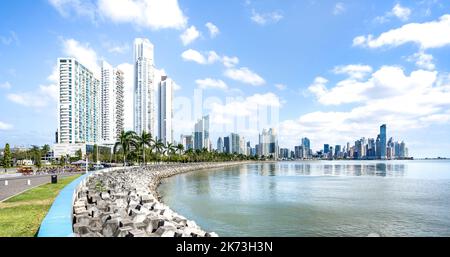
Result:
pixel 317 198
pixel 382 169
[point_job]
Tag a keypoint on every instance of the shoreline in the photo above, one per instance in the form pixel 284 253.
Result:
pixel 125 203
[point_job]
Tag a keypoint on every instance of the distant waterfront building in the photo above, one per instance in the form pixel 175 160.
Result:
pixel 144 87
pixel 307 152
pixel 337 151
pixel 284 153
pixel 165 111
pixel 187 142
pixel 235 140
pixel 112 103
pixel 268 143
pixel 227 145
pixel 326 148
pixel 79 108
pixel 299 152
pixel 383 142
pixel 220 147
pixel 248 149
pixel 201 134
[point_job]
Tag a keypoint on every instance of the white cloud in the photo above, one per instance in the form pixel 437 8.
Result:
pixel 422 60
pixel 77 7
pixel 405 102
pixel 398 11
pixel 83 53
pixel 210 57
pixel 281 87
pixel 5 126
pixel 401 12
pixel 265 18
pixel 209 83
pixel 40 98
pixel 176 87
pixel 213 29
pixel 193 55
pixel 190 35
pixel 248 116
pixel 388 81
pixel 5 85
pixel 339 8
pixel 356 71
pixel 245 75
pixel 427 35
pixel 117 48
pixel 8 40
pixel 152 14
pixel 230 62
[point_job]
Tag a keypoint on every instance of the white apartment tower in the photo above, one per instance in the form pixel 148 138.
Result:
pixel 144 87
pixel 112 103
pixel 79 103
pixel 165 112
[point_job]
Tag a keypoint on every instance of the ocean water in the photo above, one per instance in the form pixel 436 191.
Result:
pixel 317 198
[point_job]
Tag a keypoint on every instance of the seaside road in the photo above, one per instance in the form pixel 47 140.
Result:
pixel 20 184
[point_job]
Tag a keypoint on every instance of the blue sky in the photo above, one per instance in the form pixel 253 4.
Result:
pixel 332 71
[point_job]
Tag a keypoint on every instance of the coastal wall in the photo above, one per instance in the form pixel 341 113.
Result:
pixel 124 203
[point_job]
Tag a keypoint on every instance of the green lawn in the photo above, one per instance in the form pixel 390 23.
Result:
pixel 22 215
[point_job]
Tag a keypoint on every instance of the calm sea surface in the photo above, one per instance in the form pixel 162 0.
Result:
pixel 317 198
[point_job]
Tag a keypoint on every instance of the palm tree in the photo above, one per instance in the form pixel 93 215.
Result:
pixel 159 146
pixel 171 149
pixel 144 140
pixel 180 147
pixel 125 141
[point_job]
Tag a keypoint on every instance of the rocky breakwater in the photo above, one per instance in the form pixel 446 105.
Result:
pixel 124 203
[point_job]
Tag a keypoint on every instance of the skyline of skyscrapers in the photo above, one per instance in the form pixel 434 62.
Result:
pixel 91 110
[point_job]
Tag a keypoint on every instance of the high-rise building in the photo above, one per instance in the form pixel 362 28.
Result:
pixel 187 142
pixel 79 103
pixel 165 111
pixel 299 152
pixel 201 134
pixel 227 145
pixel 220 147
pixel 326 148
pixel 284 153
pixel 235 143
pixel 112 103
pixel 242 146
pixel 383 142
pixel 144 87
pixel 306 143
pixel 337 151
pixel 268 143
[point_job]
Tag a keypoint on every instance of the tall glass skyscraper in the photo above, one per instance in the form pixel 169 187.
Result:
pixel 383 142
pixel 144 87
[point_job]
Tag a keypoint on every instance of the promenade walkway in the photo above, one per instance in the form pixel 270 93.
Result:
pixel 17 185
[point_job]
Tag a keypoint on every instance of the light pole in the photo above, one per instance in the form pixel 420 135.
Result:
pixel 87 163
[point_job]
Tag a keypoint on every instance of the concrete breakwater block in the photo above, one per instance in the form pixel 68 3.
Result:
pixel 124 203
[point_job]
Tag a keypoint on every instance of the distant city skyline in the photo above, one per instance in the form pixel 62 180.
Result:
pixel 294 66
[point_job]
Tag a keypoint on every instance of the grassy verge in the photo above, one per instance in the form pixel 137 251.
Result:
pixel 22 215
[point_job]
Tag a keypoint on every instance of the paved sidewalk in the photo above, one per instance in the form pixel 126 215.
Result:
pixel 20 184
